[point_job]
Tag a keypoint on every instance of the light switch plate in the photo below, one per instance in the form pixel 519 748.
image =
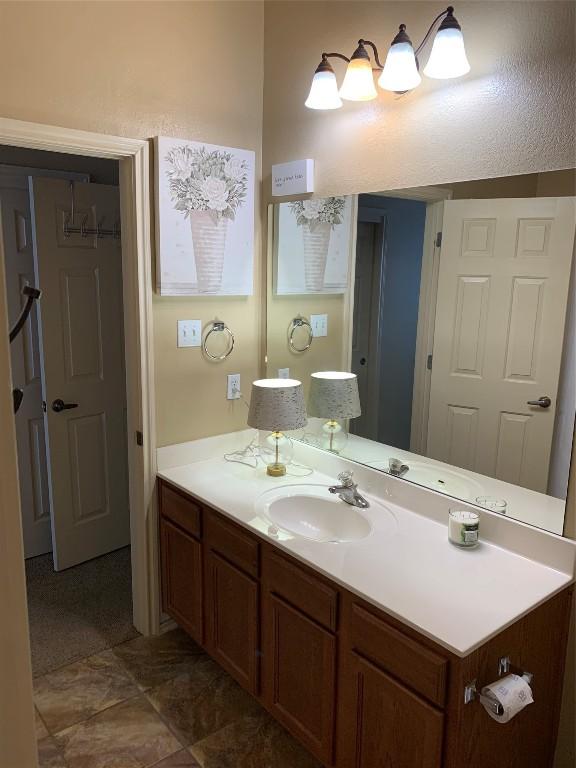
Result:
pixel 319 325
pixel 189 333
pixel 233 388
pixel 283 373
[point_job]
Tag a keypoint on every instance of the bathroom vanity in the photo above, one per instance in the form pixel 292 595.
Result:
pixel 364 650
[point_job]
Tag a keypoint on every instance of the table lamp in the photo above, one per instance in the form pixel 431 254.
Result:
pixel 277 405
pixel 334 396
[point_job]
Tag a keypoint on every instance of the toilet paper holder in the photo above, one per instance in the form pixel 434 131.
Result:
pixel 471 692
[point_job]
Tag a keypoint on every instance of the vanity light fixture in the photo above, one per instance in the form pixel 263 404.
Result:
pixel 324 90
pixel 358 82
pixel 400 72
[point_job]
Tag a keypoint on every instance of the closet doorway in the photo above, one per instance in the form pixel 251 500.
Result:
pixel 61 234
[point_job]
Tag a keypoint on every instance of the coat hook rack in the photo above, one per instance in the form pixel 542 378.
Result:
pixel 99 232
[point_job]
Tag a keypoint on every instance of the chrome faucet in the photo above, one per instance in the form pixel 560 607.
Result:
pixel 397 467
pixel 348 491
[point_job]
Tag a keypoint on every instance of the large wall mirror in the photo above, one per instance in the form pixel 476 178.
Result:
pixel 434 330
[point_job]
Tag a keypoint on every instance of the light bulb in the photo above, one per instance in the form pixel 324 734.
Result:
pixel 400 71
pixel 448 55
pixel 324 89
pixel 358 82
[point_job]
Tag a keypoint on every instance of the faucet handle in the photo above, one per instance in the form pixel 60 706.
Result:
pixel 346 478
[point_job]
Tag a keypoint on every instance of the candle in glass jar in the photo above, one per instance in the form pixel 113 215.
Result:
pixel 463 527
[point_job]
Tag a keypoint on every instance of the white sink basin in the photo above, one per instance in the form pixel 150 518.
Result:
pixel 439 479
pixel 311 512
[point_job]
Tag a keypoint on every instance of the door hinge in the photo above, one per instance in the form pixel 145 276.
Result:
pixel 429 362
pixel 438 241
pixel 139 438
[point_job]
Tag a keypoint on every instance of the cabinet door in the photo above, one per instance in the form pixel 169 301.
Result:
pixel 232 618
pixel 182 578
pixel 392 726
pixel 299 677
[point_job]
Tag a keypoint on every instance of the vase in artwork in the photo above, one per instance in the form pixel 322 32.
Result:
pixel 316 243
pixel 209 241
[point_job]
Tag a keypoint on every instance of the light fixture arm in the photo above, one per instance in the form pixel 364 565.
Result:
pixel 379 65
pixel 326 56
pixel 440 16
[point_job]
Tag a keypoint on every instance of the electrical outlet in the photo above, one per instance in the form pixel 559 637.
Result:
pixel 283 373
pixel 189 333
pixel 233 391
pixel 319 325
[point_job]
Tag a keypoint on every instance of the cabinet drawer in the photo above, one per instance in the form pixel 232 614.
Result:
pixel 418 667
pixel 303 590
pixel 181 509
pixel 232 542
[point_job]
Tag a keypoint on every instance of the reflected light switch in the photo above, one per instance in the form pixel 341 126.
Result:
pixel 319 325
pixel 189 333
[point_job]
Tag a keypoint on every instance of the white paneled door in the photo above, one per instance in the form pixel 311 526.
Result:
pixel 500 315
pixel 81 322
pixel 25 363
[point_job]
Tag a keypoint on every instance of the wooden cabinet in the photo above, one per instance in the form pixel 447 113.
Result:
pixel 357 687
pixel 182 578
pixel 390 725
pixel 299 621
pixel 300 675
pixel 232 604
pixel 232 619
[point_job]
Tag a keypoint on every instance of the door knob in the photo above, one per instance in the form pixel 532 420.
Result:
pixel 542 402
pixel 362 361
pixel 59 405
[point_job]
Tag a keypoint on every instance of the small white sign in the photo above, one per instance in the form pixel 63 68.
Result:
pixel 295 178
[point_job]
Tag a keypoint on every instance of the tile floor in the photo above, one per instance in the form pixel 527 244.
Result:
pixel 160 702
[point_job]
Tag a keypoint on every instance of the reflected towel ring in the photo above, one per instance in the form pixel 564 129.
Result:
pixel 299 322
pixel 218 327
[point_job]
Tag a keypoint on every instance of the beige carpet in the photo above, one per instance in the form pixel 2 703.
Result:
pixel 80 611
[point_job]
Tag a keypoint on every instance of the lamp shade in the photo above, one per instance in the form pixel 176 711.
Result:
pixel 358 82
pixel 334 395
pixel 448 56
pixel 324 89
pixel 277 405
pixel 400 71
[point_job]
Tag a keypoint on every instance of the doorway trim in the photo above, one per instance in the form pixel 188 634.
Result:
pixel 133 157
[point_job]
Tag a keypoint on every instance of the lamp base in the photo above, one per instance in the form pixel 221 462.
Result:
pixel 276 470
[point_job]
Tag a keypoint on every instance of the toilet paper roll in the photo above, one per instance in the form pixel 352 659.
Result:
pixel 512 692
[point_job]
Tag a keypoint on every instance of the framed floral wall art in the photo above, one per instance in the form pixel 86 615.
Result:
pixel 314 240
pixel 205 219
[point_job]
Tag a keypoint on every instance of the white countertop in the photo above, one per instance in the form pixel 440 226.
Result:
pixel 458 598
pixel 523 504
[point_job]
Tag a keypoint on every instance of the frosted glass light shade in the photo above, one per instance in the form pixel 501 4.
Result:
pixel 334 395
pixel 358 82
pixel 323 92
pixel 400 72
pixel 277 405
pixel 448 55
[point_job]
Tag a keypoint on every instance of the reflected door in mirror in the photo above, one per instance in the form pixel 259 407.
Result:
pixel 502 296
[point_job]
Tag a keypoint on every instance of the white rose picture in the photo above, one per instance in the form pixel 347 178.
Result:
pixel 205 218
pixel 314 239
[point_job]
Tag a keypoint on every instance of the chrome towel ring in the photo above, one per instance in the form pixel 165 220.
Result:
pixel 218 327
pixel 299 322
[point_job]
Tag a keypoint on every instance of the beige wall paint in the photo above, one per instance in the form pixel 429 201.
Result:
pixel 140 69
